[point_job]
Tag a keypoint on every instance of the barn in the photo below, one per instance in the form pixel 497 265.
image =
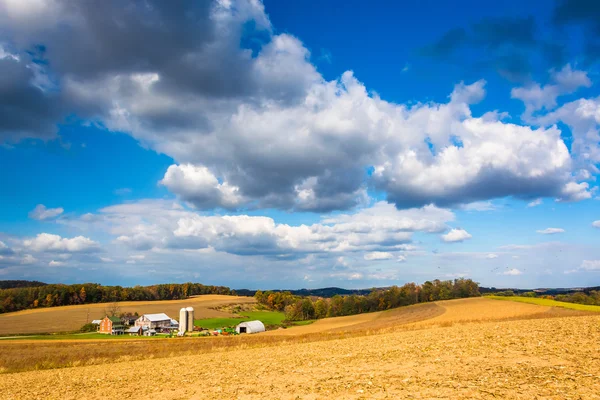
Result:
pixel 250 327
pixel 154 321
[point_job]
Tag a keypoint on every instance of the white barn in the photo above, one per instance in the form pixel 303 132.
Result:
pixel 250 327
pixel 153 321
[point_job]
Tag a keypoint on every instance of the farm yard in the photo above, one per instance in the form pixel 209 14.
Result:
pixel 471 348
pixel 71 318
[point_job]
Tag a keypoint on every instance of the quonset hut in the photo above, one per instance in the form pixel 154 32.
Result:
pixel 250 327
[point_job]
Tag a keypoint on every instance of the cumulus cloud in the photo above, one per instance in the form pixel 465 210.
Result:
pixel 596 224
pixel 583 119
pixel 456 235
pixel 512 272
pixel 198 186
pixel 167 225
pixel 378 256
pixel 45 242
pixel 536 97
pixel 256 126
pixel 491 256
pixel 550 231
pixel 40 212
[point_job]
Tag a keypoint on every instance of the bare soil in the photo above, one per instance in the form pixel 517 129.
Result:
pixel 475 349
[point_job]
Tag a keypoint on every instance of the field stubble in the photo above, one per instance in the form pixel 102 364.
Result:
pixel 554 358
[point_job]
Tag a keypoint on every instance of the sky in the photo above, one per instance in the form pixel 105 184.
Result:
pixel 300 144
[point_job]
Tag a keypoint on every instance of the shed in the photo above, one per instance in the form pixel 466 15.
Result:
pixel 250 327
pixel 134 330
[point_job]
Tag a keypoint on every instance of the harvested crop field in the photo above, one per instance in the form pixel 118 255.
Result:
pixel 71 318
pixel 555 358
pixel 474 348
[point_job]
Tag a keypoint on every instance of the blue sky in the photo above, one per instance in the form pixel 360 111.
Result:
pixel 300 144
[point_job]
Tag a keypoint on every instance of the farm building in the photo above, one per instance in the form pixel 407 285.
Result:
pixel 111 326
pixel 153 321
pixel 250 327
pixel 134 331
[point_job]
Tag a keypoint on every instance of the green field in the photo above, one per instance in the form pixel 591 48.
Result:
pixel 547 302
pixel 266 317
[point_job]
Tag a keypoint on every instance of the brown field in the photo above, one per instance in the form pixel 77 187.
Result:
pixel 475 348
pixel 71 318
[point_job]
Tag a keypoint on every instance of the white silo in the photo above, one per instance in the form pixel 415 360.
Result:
pixel 190 319
pixel 183 320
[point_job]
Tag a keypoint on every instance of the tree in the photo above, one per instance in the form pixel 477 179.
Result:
pixel 113 309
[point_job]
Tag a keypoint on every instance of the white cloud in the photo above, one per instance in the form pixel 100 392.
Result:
pixel 54 243
pixel 596 224
pixel 56 263
pixel 512 272
pixel 197 185
pixel 590 265
pixel 166 225
pixel 267 130
pixel 573 191
pixel 479 206
pixel 538 97
pixel 535 203
pixel 40 212
pixel 28 259
pixel 550 231
pixel 456 235
pixel 378 255
pixel 106 259
pixel 491 256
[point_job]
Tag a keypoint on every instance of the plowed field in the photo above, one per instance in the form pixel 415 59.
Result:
pixel 474 348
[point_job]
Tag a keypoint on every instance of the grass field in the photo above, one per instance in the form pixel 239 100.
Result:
pixel 72 318
pixel 547 303
pixel 474 348
pixel 267 318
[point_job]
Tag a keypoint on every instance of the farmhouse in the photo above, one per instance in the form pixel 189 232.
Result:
pixel 111 326
pixel 250 327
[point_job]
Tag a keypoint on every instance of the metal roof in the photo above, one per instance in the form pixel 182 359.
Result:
pixel 133 329
pixel 157 317
pixel 96 321
pixel 253 326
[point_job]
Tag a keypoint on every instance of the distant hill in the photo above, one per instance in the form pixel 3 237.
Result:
pixel 323 292
pixel 20 284
pixel 548 291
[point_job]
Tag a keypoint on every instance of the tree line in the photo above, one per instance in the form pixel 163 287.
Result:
pixel 51 295
pixel 299 308
pixel 588 297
